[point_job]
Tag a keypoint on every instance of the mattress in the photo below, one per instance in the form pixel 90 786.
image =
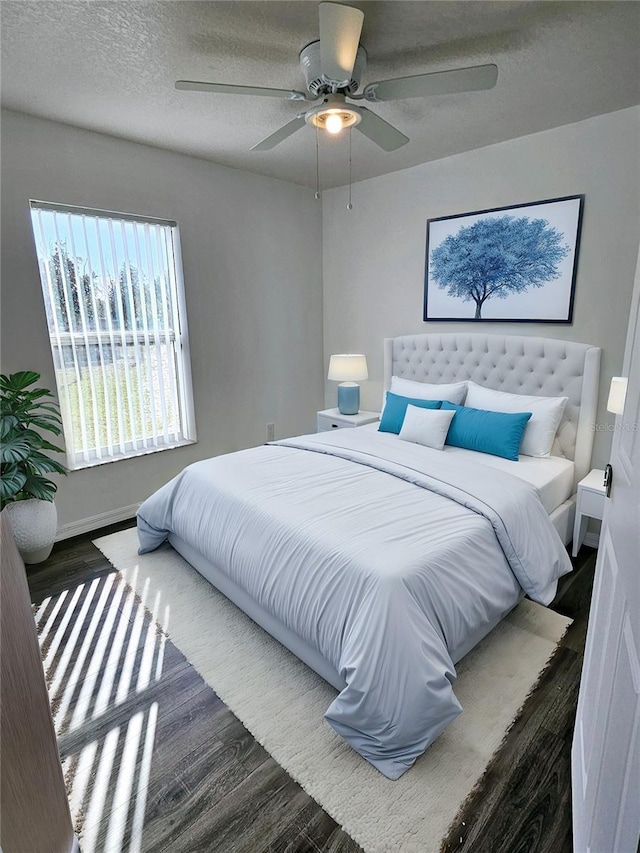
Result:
pixel 380 554
pixel 552 476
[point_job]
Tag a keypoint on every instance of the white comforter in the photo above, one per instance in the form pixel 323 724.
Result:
pixel 383 555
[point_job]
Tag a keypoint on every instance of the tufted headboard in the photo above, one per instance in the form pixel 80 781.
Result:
pixel 519 365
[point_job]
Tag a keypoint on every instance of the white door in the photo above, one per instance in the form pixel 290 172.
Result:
pixel 605 756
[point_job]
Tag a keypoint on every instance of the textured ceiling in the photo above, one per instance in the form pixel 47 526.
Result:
pixel 111 67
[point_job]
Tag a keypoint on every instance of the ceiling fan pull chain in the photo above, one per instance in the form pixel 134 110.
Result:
pixel 349 205
pixel 317 166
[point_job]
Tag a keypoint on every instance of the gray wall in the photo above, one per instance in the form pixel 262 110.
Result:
pixel 253 280
pixel 374 255
pixel 253 275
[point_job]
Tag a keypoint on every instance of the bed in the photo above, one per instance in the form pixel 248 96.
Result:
pixel 378 562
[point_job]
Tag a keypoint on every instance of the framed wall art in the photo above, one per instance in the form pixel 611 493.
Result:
pixel 513 264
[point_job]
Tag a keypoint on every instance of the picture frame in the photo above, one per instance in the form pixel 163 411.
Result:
pixel 513 264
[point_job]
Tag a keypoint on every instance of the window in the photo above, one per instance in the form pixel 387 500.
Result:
pixel 114 299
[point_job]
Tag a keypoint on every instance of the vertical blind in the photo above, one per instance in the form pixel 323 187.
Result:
pixel 114 299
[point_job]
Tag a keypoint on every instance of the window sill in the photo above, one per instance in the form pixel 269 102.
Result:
pixel 134 454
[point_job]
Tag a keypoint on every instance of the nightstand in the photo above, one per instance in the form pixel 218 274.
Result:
pixel 590 504
pixel 332 419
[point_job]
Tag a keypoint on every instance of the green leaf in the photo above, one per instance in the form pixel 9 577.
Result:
pixel 38 442
pixel 39 487
pixel 50 407
pixel 46 445
pixel 15 448
pixel 25 415
pixel 41 412
pixel 34 437
pixel 49 426
pixel 18 381
pixel 11 482
pixel 7 423
pixel 36 394
pixel 39 463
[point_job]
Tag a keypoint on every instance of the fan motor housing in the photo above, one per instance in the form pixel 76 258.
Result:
pixel 317 84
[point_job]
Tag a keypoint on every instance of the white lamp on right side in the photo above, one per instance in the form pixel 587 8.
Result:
pixel 347 368
pixel 617 395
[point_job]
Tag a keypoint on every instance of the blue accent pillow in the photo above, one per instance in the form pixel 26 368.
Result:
pixel 497 433
pixel 395 408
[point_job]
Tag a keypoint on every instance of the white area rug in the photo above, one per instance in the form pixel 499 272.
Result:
pixel 282 702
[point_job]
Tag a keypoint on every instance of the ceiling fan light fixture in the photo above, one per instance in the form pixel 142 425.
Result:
pixel 333 118
pixel 334 122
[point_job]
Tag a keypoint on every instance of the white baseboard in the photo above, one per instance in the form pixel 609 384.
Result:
pixel 95 522
pixel 592 540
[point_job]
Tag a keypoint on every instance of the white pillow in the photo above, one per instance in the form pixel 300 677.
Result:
pixel 546 414
pixel 426 426
pixel 453 392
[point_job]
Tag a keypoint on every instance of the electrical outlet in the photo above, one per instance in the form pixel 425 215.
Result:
pixel 271 432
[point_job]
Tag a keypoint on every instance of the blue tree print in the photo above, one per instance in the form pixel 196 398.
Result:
pixel 496 257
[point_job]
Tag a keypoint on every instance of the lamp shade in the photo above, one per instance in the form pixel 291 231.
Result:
pixel 348 367
pixel 617 394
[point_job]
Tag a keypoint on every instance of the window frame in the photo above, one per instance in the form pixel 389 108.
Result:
pixel 106 454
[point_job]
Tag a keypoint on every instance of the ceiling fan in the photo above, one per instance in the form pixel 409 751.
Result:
pixel 333 67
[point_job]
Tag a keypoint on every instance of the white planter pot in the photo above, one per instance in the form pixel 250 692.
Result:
pixel 34 524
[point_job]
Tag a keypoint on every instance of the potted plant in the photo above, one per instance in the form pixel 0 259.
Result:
pixel 25 491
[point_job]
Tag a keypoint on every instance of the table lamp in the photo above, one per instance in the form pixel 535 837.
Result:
pixel 346 368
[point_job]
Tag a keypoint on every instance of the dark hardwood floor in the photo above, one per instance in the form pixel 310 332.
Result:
pixel 155 761
pixel 523 804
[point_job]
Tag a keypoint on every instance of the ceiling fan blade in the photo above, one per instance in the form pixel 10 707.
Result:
pixel 280 135
pixel 226 89
pixel 380 131
pixel 340 28
pixel 437 83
